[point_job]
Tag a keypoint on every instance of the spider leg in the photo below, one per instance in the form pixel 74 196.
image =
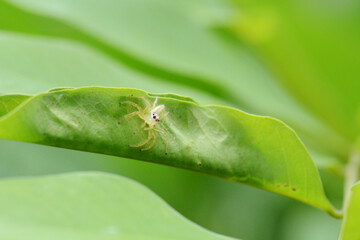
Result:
pixel 150 134
pixel 155 102
pixel 143 98
pixel 146 108
pixel 152 143
pixel 148 104
pixel 130 115
pixel 132 104
pixel 164 116
pixel 165 135
pixel 143 125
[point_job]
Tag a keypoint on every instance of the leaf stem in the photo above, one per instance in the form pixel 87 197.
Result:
pixel 351 176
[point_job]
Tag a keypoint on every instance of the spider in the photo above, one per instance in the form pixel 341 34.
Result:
pixel 151 115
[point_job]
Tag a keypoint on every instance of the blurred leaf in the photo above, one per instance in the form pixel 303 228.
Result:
pixel 350 228
pixel 9 102
pixel 313 46
pixel 33 65
pixel 89 206
pixel 301 223
pixel 216 140
pixel 135 34
pixel 252 214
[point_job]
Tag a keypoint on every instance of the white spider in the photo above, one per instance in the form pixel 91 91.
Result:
pixel 151 115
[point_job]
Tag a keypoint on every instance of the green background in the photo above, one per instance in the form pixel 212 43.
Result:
pixel 295 61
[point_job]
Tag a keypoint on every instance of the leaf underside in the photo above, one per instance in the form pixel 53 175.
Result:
pixel 216 140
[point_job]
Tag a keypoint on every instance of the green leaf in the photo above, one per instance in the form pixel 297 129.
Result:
pixel 210 62
pixel 59 63
pixel 350 228
pixel 217 140
pixel 9 102
pixel 89 206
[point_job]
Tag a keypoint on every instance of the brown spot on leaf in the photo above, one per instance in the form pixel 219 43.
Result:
pixel 294 189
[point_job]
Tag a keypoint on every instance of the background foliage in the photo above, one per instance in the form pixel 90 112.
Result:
pixel 293 60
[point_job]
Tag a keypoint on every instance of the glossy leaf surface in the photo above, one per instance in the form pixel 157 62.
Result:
pixel 217 140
